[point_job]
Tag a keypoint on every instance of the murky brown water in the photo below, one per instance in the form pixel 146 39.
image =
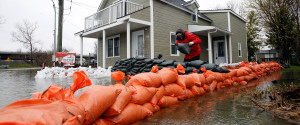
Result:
pixel 216 107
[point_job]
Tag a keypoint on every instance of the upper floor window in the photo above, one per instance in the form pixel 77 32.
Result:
pixel 195 15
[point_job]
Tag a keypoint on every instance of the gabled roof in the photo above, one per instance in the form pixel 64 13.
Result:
pixel 181 4
pixel 224 10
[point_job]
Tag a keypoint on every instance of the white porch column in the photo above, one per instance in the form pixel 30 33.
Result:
pixel 151 30
pixel 226 53
pixel 230 48
pixel 210 58
pixel 103 48
pixel 128 40
pixel 81 49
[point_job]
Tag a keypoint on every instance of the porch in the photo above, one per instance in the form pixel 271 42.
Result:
pixel 217 42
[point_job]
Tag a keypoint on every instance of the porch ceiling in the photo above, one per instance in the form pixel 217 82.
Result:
pixel 113 29
pixel 203 30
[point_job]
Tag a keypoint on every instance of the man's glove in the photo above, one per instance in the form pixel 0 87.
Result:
pixel 191 43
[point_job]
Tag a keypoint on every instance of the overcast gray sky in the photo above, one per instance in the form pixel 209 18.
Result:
pixel 41 12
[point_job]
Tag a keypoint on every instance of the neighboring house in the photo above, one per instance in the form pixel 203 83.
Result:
pixel 267 55
pixel 131 28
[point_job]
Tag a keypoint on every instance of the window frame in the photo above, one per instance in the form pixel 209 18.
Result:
pixel 239 49
pixel 178 54
pixel 113 47
pixel 196 15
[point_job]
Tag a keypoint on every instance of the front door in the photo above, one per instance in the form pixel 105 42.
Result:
pixel 138 43
pixel 219 52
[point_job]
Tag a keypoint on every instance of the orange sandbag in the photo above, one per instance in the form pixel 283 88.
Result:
pixel 147 79
pixel 206 87
pixel 173 90
pixel 168 75
pixel 219 85
pixel 159 94
pixel 96 100
pixel 243 82
pixel 202 91
pixel 195 90
pixel 196 78
pixel 185 81
pixel 118 76
pixel 157 108
pixel 167 101
pixel 142 95
pixel 101 122
pixel 130 114
pixel 121 102
pixel 202 79
pixel 232 73
pixel 213 85
pixel 187 94
pixel 150 107
pixel 219 77
pixel 34 112
pixel 210 79
pixel 240 72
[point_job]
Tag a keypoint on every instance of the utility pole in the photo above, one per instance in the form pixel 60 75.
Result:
pixel 54 45
pixel 60 25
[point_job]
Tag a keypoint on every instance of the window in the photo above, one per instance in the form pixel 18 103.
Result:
pixel 221 50
pixel 174 51
pixel 195 17
pixel 113 46
pixel 240 49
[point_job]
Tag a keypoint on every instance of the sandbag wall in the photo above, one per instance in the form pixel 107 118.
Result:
pixel 141 96
pixel 133 66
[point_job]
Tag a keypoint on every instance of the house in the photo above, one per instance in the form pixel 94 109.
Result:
pixel 267 55
pixel 130 28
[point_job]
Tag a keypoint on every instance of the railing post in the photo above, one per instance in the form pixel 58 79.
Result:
pixel 123 7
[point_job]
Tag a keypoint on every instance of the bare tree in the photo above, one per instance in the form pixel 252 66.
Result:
pixel 238 6
pixel 25 34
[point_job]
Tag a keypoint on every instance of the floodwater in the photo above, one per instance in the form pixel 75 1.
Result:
pixel 213 108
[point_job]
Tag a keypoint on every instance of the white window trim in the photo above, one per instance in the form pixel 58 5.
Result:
pixel 196 15
pixel 240 48
pixel 113 37
pixel 171 45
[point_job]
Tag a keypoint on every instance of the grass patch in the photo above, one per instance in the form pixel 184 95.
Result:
pixel 293 68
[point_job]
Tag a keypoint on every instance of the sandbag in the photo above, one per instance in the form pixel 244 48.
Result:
pixel 101 122
pixel 213 85
pixel 196 78
pixel 148 79
pixel 202 79
pixel 196 63
pixel 182 63
pixel 202 91
pixel 148 61
pixel 130 114
pixel 158 61
pixel 222 70
pixel 219 77
pixel 96 100
pixel 185 81
pixel 232 73
pixel 206 87
pixel 187 94
pixel 121 102
pixel 168 63
pixel 243 82
pixel 189 69
pixel 210 79
pixel 209 66
pixel 173 90
pixel 168 75
pixel 184 48
pixel 150 107
pixel 142 94
pixel 34 111
pixel 166 101
pixel 195 90
pixel 118 76
pixel 159 94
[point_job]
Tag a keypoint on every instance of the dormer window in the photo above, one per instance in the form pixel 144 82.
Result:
pixel 195 15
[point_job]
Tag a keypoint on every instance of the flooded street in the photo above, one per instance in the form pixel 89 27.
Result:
pixel 216 107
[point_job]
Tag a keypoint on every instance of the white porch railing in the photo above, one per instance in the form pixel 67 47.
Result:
pixel 110 14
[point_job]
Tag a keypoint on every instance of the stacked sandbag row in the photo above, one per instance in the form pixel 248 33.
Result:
pixel 141 96
pixel 133 66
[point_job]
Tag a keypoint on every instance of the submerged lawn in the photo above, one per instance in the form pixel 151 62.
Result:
pixel 293 69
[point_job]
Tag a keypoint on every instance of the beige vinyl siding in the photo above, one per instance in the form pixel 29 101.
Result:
pixel 220 20
pixel 168 19
pixel 108 3
pixel 143 14
pixel 110 61
pixel 204 46
pixel 238 28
